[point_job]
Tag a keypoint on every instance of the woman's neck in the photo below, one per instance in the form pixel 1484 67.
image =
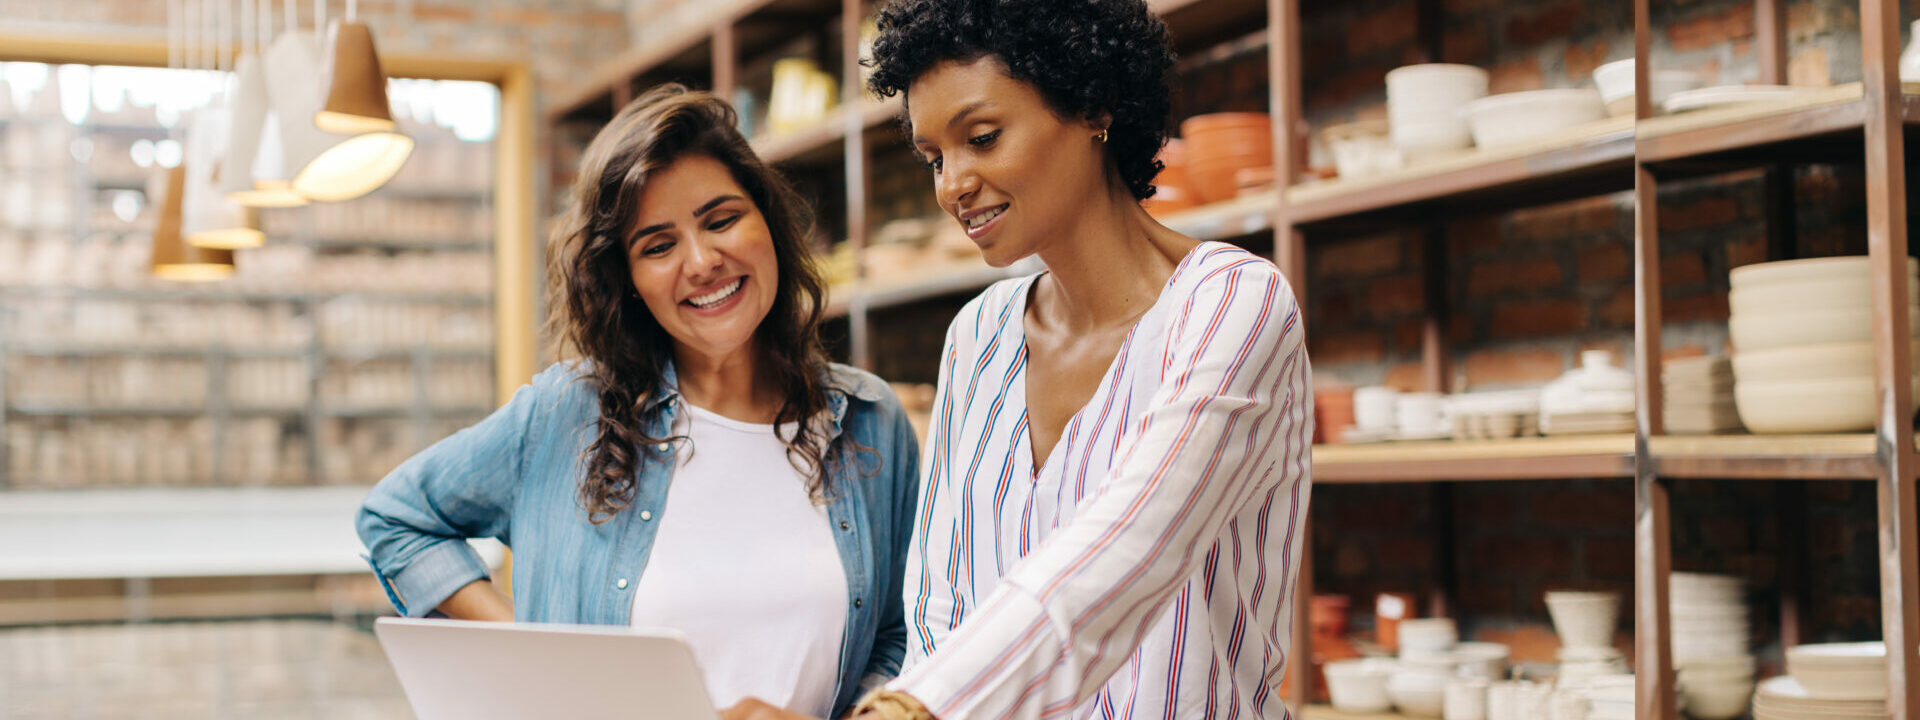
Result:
pixel 1110 267
pixel 729 385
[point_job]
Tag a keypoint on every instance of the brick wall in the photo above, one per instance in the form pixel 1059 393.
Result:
pixel 1513 542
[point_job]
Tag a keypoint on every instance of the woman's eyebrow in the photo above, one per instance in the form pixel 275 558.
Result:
pixel 702 210
pixel 959 116
pixel 714 203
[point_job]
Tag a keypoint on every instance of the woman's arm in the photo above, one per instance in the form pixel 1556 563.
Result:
pixel 902 473
pixel 1228 426
pixel 931 596
pixel 415 523
pixel 479 600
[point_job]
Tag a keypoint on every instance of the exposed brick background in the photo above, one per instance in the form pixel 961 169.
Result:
pixel 1514 541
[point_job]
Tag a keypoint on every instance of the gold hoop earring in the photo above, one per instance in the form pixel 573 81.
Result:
pixel 1102 137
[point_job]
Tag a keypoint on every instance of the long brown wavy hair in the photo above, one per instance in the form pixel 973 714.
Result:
pixel 596 314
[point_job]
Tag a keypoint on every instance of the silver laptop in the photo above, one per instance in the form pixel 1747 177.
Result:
pixel 461 670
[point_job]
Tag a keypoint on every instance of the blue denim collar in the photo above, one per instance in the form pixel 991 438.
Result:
pixel 839 386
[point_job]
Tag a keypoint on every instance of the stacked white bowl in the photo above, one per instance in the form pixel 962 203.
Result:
pixel 1424 104
pixel 1427 663
pixel 1698 396
pixel 1585 622
pixel 1359 686
pixel 1710 630
pixel 1803 343
pixel 1833 680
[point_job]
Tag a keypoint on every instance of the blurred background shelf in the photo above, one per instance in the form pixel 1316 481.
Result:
pixel 1574 456
pixel 1765 457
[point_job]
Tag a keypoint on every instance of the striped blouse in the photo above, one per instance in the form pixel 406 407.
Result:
pixel 1145 569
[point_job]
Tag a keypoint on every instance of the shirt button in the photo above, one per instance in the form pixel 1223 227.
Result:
pixel 663 447
pixel 645 515
pixel 621 583
pixel 844 525
pixel 856 602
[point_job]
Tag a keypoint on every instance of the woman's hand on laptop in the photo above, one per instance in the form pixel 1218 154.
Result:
pixel 479 600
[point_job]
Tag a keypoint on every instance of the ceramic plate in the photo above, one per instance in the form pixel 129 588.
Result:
pixel 1728 95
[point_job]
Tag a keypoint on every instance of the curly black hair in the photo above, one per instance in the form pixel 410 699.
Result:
pixel 1086 57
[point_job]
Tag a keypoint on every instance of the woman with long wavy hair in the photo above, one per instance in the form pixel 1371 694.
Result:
pixel 702 465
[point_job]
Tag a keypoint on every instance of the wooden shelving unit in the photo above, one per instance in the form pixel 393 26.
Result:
pixel 1563 457
pixel 1864 122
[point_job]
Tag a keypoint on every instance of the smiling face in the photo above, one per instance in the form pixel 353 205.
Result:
pixel 1009 169
pixel 702 258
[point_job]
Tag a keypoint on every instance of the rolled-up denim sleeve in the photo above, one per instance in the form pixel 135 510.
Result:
pixel 416 522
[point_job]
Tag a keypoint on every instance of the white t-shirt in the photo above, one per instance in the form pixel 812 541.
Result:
pixel 745 565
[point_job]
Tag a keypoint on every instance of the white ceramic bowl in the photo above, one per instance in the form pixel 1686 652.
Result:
pixel 1484 660
pixel 1807 362
pixel 1830 405
pixel 1752 333
pixel 1855 269
pixel 1584 619
pixel 1514 118
pixel 1427 635
pixel 1615 81
pixel 1805 295
pixel 1718 701
pixel 1423 104
pixel 1361 149
pixel 1418 694
pixel 1359 686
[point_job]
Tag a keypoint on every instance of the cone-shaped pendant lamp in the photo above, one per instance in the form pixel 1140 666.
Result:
pixel 292 69
pixel 253 142
pixel 173 258
pixel 208 219
pixel 356 86
pixel 356 102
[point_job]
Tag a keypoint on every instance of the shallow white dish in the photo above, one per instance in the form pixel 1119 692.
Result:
pixel 1701 98
pixel 1418 694
pixel 1359 686
pixel 1808 362
pixel 1844 268
pixel 1768 331
pixel 1513 118
pixel 1723 701
pixel 1804 295
pixel 1830 405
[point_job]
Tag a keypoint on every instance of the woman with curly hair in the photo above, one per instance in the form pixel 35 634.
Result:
pixel 1118 466
pixel 703 466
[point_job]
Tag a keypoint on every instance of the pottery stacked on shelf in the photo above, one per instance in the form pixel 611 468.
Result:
pixel 1615 81
pixel 1585 622
pixel 1494 415
pixel 1375 414
pixel 1593 398
pixel 1710 639
pixel 1420 416
pixel 1360 686
pixel 1824 681
pixel 1697 396
pixel 1520 117
pixel 1424 104
pixel 1427 664
pixel 1221 145
pixel 1802 335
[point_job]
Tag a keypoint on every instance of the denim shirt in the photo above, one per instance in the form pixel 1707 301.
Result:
pixel 516 476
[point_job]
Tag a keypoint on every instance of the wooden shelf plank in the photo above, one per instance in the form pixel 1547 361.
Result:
pixel 1326 712
pixel 623 68
pixel 1561 457
pixel 938 282
pixel 1765 457
pixel 1234 218
pixel 1750 125
pixel 1564 164
pixel 831 131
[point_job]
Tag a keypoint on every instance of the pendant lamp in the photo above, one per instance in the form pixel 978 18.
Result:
pixel 356 87
pixel 208 219
pixel 173 258
pixel 356 104
pixel 254 139
pixel 293 64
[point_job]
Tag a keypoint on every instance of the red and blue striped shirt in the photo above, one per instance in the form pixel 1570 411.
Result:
pixel 1146 568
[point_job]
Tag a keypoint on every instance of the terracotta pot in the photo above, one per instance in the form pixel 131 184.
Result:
pixel 1328 615
pixel 1332 413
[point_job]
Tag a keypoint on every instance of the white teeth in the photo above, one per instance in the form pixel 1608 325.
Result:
pixel 985 217
pixel 716 296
